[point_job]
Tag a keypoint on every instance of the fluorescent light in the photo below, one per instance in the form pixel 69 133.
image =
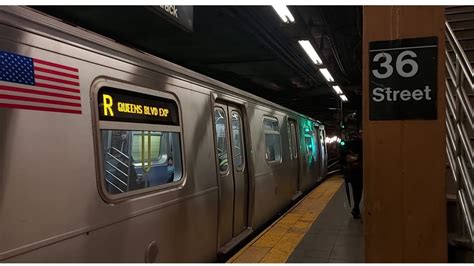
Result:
pixel 343 98
pixel 284 13
pixel 337 89
pixel 308 48
pixel 326 74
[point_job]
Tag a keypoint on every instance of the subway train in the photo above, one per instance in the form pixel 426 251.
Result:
pixel 109 154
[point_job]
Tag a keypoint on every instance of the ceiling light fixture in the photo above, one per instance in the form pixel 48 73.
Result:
pixel 326 74
pixel 284 13
pixel 308 48
pixel 337 89
pixel 344 98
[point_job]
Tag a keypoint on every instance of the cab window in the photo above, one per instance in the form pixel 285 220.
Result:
pixel 140 137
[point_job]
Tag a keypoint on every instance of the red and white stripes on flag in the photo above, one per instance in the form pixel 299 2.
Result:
pixel 35 84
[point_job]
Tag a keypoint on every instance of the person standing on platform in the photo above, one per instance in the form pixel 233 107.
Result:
pixel 352 168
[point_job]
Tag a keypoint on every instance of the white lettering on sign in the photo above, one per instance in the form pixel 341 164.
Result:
pixel 172 10
pixel 400 64
pixel 403 62
pixel 404 59
pixel 391 95
pixel 385 64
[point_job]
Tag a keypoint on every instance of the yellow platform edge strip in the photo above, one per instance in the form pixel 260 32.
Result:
pixel 276 243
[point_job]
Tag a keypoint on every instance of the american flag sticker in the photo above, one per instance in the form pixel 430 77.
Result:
pixel 35 84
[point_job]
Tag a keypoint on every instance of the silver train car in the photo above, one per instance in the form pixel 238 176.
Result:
pixel 109 154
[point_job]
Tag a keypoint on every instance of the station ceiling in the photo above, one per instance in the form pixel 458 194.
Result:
pixel 248 47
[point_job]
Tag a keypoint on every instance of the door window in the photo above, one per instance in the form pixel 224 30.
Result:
pixel 237 141
pixel 292 140
pixel 221 139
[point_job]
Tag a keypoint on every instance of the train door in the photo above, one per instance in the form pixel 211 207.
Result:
pixel 233 174
pixel 294 163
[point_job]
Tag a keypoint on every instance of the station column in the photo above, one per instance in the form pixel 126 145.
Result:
pixel 404 134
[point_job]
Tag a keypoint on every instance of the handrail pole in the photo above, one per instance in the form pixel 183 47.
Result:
pixel 459 124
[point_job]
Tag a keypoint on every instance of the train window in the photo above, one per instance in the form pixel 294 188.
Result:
pixel 271 124
pixel 140 159
pixel 237 140
pixel 272 139
pixel 140 141
pixel 221 136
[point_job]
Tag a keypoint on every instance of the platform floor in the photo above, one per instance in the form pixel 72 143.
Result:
pixel 334 237
pixel 318 229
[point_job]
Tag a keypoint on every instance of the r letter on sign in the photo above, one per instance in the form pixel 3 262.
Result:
pixel 402 79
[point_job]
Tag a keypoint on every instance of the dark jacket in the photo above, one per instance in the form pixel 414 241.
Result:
pixel 353 148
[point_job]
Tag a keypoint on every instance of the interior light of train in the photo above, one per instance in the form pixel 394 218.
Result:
pixel 337 89
pixel 326 74
pixel 343 98
pixel 309 49
pixel 284 13
pixel 332 139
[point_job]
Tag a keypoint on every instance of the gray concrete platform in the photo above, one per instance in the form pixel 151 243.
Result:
pixel 334 237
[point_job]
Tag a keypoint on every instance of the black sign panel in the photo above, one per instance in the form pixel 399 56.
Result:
pixel 182 16
pixel 128 106
pixel 403 79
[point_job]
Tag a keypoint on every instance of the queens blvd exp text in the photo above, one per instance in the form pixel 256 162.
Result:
pixel 124 107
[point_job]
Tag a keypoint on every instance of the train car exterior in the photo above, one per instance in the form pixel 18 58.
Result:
pixel 109 154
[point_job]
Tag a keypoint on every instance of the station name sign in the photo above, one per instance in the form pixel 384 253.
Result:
pixel 128 106
pixel 403 79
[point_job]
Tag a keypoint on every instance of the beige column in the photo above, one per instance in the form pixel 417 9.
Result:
pixel 404 160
